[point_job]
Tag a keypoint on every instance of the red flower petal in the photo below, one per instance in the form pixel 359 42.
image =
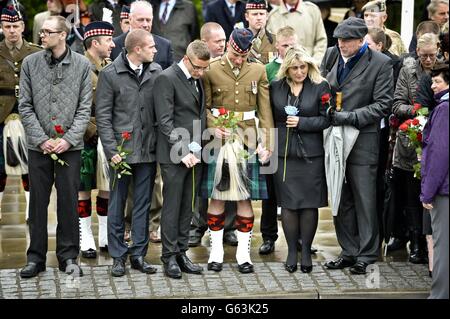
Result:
pixel 222 111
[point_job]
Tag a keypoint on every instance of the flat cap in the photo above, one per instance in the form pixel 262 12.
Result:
pixel 241 40
pixel 351 28
pixel 98 28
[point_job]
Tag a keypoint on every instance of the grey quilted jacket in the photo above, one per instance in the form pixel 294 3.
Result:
pixel 52 95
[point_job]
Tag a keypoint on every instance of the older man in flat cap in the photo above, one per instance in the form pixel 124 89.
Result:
pixel 240 86
pixel 364 77
pixel 375 16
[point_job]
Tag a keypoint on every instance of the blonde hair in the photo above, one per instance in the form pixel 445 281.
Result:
pixel 427 39
pixel 297 53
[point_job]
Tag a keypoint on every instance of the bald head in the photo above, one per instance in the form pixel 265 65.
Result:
pixel 214 36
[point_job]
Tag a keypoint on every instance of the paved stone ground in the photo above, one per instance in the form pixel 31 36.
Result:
pixel 396 280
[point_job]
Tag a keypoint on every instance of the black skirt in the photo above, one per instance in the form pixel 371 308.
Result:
pixel 305 185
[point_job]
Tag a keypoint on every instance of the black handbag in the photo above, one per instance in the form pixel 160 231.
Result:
pixel 11 156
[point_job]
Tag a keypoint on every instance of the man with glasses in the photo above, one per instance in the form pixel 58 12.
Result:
pixel 180 113
pixel 13 49
pixel 55 105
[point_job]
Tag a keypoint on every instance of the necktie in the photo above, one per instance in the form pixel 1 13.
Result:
pixel 232 10
pixel 193 83
pixel 164 15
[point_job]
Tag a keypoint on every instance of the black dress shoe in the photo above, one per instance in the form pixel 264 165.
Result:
pixel 359 268
pixel 246 268
pixel 90 253
pixel 138 262
pixel 32 270
pixel 306 269
pixel 290 268
pixel 70 266
pixel 267 247
pixel 171 268
pixel 187 266
pixel 230 238
pixel 118 268
pixel 215 266
pixel 194 241
pixel 396 244
pixel 339 263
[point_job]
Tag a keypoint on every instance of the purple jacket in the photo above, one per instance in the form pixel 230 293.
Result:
pixel 435 151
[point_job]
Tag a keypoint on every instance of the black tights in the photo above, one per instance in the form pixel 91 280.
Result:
pixel 303 221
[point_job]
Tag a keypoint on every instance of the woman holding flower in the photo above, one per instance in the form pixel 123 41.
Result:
pixel 299 101
pixel 405 157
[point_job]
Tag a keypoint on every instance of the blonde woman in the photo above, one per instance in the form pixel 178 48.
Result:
pixel 300 183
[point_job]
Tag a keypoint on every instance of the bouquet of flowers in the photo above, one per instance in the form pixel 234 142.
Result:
pixel 194 147
pixel 121 168
pixel 413 129
pixel 59 133
pixel 290 111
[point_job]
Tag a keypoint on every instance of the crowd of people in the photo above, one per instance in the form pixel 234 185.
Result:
pixel 180 126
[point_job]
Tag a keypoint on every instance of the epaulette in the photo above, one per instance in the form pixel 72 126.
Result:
pixel 217 58
pixel 35 45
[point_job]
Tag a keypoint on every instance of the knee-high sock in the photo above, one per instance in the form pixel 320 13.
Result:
pixel 215 225
pixel 102 215
pixel 86 237
pixel 244 226
pixel 26 188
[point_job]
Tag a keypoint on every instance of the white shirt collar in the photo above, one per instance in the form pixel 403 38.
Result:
pixel 133 66
pixel 184 69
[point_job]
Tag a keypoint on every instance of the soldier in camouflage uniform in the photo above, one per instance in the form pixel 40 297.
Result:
pixel 375 16
pixel 13 49
pixel 99 44
pixel 263 47
pixel 240 86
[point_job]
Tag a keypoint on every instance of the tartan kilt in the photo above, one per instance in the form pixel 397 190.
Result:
pixel 257 181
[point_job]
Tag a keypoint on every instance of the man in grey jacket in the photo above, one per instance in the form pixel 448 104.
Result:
pixel 125 117
pixel 365 79
pixel 55 105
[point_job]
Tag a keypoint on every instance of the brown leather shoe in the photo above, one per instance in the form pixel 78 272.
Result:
pixel 154 237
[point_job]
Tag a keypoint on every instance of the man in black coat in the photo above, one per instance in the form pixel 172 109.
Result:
pixel 180 112
pixel 126 121
pixel 229 14
pixel 141 17
pixel 365 79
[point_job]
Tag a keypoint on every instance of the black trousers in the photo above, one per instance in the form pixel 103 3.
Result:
pixel 44 171
pixel 176 213
pixel 142 180
pixel 269 221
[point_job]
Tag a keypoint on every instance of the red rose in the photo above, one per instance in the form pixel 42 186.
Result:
pixel 126 136
pixel 419 137
pixel 222 111
pixel 408 122
pixel 59 129
pixel 393 121
pixel 415 122
pixel 417 106
pixel 325 98
pixel 403 127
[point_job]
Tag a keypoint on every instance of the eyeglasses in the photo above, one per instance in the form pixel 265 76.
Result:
pixel 427 56
pixel 196 67
pixel 46 33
